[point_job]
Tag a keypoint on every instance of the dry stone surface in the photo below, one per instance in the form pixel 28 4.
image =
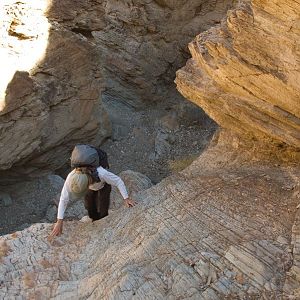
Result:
pixel 141 43
pixel 49 91
pixel 244 72
pixel 205 233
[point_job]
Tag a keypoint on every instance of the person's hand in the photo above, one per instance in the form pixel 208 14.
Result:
pixel 57 230
pixel 129 202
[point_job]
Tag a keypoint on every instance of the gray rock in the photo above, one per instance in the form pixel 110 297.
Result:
pixel 162 144
pixel 31 202
pixel 5 199
pixel 135 183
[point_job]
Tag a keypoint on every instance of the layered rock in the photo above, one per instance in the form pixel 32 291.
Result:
pixel 244 72
pixel 141 44
pixel 206 233
pixel 50 91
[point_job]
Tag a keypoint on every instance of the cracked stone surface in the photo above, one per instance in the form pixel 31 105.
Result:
pixel 204 233
pixel 244 72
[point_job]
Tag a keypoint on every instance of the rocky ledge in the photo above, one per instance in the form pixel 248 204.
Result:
pixel 245 72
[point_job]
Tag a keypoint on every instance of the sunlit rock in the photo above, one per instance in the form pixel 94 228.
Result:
pixel 244 72
pixel 50 91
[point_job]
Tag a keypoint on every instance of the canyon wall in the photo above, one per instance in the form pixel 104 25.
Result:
pixel 61 57
pixel 141 43
pixel 50 92
pixel 244 72
pixel 227 227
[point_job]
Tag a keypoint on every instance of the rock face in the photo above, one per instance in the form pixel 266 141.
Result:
pixel 56 54
pixel 206 233
pixel 141 43
pixel 244 72
pixel 49 92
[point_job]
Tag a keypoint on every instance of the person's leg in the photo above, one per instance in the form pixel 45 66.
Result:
pixel 104 199
pixel 90 204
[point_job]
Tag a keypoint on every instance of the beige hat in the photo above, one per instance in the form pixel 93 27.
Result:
pixel 78 182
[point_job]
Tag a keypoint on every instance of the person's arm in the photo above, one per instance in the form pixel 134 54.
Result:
pixel 115 180
pixel 63 202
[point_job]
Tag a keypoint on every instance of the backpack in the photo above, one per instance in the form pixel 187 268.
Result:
pixel 88 156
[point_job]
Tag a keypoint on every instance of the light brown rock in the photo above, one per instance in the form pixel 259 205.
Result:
pixel 244 72
pixel 205 233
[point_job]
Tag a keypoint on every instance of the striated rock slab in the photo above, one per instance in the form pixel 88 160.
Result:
pixel 244 72
pixel 205 233
pixel 49 91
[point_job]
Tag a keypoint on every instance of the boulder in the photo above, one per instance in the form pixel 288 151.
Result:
pixel 135 183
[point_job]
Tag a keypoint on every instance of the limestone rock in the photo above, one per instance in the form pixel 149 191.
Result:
pixel 205 233
pixel 244 72
pixel 49 91
pixel 135 183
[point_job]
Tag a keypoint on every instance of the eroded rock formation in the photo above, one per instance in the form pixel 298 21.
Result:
pixel 56 54
pixel 50 91
pixel 141 43
pixel 226 227
pixel 206 233
pixel 244 72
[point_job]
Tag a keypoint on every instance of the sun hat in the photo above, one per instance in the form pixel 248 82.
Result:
pixel 78 182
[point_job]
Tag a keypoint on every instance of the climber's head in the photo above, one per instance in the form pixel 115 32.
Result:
pixel 78 182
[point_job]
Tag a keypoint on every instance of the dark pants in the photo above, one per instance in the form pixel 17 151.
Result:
pixel 97 202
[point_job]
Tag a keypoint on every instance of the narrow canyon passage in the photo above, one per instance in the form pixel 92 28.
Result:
pixel 105 76
pixel 218 204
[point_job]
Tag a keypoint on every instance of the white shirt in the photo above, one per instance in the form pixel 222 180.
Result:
pixel 104 176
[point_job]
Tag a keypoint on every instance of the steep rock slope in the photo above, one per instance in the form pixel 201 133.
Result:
pixel 245 72
pixel 206 233
pixel 49 91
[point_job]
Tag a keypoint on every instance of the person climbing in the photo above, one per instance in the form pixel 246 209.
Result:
pixel 90 180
